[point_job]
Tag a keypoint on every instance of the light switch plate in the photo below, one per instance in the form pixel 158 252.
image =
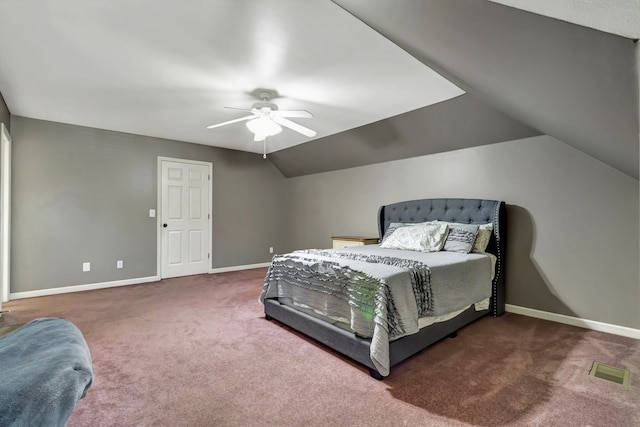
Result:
pixel 86 266
pixel 152 213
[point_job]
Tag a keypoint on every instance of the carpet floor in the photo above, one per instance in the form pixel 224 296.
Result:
pixel 197 351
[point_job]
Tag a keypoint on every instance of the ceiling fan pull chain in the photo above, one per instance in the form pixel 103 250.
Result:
pixel 264 148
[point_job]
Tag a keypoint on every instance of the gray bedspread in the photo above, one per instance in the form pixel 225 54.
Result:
pixel 45 369
pixel 379 293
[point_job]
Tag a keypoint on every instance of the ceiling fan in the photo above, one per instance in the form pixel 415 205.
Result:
pixel 267 120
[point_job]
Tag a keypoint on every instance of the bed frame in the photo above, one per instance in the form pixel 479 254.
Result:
pixel 467 211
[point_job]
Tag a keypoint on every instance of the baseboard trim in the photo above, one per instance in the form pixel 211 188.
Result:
pixel 575 321
pixel 79 288
pixel 103 285
pixel 238 268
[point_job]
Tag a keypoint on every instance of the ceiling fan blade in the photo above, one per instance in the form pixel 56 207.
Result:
pixel 241 119
pixel 239 109
pixel 292 113
pixel 294 126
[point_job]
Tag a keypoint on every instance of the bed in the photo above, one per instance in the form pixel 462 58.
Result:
pixel 381 304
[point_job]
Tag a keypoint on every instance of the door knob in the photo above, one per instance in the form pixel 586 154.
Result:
pixel 164 225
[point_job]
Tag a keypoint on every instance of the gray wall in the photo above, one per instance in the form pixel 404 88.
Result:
pixel 462 122
pixel 573 220
pixel 83 194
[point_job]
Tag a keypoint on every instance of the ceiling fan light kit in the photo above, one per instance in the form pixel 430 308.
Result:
pixel 267 120
pixel 263 127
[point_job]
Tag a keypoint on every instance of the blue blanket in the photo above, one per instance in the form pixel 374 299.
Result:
pixel 45 369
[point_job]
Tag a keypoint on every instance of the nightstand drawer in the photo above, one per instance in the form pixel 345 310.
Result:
pixel 348 241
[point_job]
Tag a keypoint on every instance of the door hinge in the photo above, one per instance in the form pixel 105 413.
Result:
pixel 209 177
pixel 208 216
pixel 208 256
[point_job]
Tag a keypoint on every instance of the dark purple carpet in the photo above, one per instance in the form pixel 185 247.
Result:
pixel 196 351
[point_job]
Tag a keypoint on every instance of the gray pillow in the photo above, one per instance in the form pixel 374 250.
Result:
pixel 460 237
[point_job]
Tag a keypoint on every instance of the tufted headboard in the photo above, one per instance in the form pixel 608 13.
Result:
pixel 466 211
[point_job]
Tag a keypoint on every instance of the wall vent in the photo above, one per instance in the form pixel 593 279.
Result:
pixel 610 373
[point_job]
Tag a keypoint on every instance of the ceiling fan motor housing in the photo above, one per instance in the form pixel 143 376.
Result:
pixel 260 105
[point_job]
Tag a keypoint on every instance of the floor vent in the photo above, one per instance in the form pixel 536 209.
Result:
pixel 610 373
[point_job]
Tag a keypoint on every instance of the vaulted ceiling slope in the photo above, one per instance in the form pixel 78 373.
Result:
pixel 571 82
pixel 462 122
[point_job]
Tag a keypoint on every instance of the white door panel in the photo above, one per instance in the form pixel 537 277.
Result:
pixel 195 245
pixel 185 218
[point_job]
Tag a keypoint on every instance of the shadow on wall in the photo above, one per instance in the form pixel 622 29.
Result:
pixel 380 134
pixel 526 285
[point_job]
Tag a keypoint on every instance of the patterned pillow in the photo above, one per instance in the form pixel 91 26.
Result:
pixel 393 227
pixel 483 237
pixel 423 237
pixel 461 237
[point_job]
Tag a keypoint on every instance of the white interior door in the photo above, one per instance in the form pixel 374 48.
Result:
pixel 5 213
pixel 185 218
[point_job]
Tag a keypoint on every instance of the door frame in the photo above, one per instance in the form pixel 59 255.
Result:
pixel 209 166
pixel 5 215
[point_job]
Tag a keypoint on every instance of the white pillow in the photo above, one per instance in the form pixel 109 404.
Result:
pixel 424 237
pixel 395 225
pixel 482 238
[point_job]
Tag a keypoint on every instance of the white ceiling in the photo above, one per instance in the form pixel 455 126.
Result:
pixel 620 17
pixel 167 68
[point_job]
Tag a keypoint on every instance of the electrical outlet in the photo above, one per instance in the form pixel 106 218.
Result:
pixel 86 266
pixel 119 264
pixel 270 249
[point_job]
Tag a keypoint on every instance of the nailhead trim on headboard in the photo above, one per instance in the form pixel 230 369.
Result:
pixel 496 279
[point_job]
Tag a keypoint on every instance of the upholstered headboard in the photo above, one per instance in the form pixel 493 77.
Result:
pixel 466 211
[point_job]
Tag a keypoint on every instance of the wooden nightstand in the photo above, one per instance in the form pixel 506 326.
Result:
pixel 347 241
